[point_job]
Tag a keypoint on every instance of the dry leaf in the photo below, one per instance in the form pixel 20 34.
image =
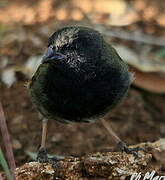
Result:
pixel 16 144
pixel 76 15
pixel 4 62
pixel 8 77
pixel 140 4
pixel 31 65
pixel 152 82
pixel 61 14
pixel 86 5
pixel 110 12
pixel 116 7
pixel 144 65
pixel 161 19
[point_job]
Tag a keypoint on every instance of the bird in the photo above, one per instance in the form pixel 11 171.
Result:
pixel 81 78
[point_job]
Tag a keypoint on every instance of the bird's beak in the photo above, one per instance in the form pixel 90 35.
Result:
pixel 51 55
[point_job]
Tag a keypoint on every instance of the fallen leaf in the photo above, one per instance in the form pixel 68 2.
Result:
pixel 110 12
pixel 8 77
pixel 16 144
pixel 4 62
pixel 161 20
pixel 145 65
pixel 76 15
pixel 31 65
pixel 149 81
pixel 61 14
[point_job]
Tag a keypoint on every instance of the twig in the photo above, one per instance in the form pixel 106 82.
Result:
pixel 7 141
pixel 133 36
pixel 1 177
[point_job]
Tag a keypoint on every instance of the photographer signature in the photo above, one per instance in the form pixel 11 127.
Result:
pixel 148 175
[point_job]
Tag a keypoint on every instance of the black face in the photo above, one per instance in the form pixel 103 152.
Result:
pixel 51 55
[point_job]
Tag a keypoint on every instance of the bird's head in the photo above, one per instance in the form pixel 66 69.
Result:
pixel 61 46
pixel 66 48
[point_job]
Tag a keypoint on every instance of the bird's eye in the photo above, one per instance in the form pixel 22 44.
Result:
pixel 51 46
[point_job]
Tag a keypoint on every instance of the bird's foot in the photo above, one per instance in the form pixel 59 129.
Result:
pixel 124 148
pixel 43 157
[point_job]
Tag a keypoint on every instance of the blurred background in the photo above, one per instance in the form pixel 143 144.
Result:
pixel 136 28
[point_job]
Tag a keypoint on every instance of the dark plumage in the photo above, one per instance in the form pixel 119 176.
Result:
pixel 81 77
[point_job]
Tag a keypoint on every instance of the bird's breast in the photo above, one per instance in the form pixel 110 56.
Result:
pixel 72 95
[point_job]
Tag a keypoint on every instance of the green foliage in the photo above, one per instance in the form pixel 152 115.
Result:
pixel 160 54
pixel 5 165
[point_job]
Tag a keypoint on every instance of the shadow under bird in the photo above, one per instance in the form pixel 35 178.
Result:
pixel 81 78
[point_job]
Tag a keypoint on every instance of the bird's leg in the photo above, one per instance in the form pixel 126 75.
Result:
pixel 44 133
pixel 110 130
pixel 42 153
pixel 120 144
pixel 42 156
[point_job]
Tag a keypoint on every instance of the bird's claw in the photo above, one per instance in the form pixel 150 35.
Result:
pixel 42 155
pixel 124 148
